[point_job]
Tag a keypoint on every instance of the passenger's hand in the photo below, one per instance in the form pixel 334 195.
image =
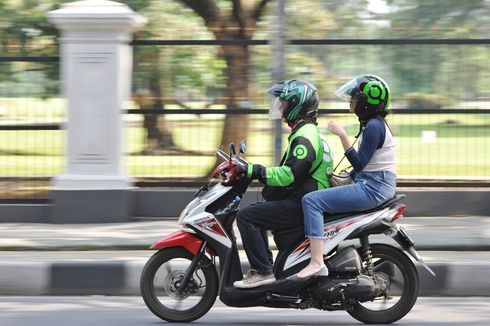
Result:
pixel 337 129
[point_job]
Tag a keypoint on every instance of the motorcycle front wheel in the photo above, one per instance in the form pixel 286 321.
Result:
pixel 402 292
pixel 161 278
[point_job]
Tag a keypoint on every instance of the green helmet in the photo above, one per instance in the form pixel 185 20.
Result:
pixel 371 93
pixel 293 100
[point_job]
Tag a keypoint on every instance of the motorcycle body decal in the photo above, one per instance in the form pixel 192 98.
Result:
pixel 212 225
pixel 334 232
pixel 208 224
pixel 298 255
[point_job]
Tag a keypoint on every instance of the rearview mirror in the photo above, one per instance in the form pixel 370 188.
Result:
pixel 242 147
pixel 232 150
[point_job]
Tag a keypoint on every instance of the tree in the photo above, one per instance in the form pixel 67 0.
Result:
pixel 167 75
pixel 433 68
pixel 236 19
pixel 24 31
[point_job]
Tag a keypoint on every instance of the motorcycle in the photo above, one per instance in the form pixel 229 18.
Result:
pixel 374 283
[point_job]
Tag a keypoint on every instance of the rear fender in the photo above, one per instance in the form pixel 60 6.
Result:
pixel 401 236
pixel 180 238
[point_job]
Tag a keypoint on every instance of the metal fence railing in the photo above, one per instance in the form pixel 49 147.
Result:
pixel 31 137
pixel 441 106
pixel 441 119
pixel 442 147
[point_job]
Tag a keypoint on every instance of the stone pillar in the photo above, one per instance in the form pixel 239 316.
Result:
pixel 96 68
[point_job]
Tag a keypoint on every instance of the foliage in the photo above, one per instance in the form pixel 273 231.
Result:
pixel 187 73
pixel 451 74
pixel 425 101
pixel 24 31
pixel 437 68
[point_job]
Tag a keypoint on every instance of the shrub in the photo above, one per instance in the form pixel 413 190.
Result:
pixel 425 101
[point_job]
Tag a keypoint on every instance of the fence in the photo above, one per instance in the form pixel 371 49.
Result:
pixel 440 119
pixel 31 134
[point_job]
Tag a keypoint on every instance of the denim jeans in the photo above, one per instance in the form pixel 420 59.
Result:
pixel 369 190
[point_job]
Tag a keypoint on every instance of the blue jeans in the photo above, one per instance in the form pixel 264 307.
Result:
pixel 370 190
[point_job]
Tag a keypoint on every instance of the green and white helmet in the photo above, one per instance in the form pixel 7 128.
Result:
pixel 293 99
pixel 371 93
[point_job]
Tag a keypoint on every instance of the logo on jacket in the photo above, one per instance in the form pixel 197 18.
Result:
pixel 300 152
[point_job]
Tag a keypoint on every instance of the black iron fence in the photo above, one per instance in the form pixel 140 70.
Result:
pixel 441 117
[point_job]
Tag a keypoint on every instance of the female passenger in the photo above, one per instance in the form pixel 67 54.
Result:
pixel 373 162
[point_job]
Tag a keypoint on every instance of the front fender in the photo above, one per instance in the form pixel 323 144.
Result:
pixel 179 238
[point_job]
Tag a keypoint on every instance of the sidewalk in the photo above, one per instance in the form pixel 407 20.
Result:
pixel 470 233
pixel 106 259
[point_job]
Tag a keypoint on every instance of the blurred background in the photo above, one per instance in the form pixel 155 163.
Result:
pixel 201 70
pixel 200 73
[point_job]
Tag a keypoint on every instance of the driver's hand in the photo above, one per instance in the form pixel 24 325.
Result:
pixel 240 170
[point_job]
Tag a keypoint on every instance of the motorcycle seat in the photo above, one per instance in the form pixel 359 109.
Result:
pixel 327 217
pixel 284 237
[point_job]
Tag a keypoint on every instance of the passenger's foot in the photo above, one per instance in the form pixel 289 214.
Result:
pixel 253 279
pixel 309 271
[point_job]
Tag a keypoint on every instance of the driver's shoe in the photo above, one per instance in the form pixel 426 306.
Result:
pixel 253 279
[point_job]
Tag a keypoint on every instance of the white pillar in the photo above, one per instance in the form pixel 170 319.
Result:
pixel 96 62
pixel 96 68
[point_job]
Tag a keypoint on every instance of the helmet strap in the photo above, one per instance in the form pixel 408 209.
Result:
pixel 362 124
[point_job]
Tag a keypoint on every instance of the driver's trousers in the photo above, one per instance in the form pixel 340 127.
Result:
pixel 254 220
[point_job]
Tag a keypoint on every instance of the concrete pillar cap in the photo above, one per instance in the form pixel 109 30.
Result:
pixel 96 9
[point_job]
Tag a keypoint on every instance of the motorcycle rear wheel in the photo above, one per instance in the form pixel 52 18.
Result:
pixel 409 291
pixel 160 280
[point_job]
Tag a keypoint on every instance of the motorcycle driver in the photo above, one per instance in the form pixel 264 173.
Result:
pixel 302 170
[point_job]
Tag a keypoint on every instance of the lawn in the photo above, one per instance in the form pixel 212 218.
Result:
pixel 427 145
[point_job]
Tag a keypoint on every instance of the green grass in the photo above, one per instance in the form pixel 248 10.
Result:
pixel 461 147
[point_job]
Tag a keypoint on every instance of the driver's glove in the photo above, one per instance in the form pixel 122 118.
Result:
pixel 240 169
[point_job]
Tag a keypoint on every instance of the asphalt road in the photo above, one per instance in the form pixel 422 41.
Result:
pixel 120 311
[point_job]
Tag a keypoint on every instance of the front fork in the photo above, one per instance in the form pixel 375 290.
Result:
pixel 192 268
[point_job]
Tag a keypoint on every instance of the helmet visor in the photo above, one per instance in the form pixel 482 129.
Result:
pixel 276 109
pixel 346 91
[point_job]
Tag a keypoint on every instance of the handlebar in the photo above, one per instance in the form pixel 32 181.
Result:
pixel 226 157
pixel 226 170
pixel 220 153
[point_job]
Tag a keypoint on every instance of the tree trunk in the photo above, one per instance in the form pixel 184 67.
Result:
pixel 158 135
pixel 237 93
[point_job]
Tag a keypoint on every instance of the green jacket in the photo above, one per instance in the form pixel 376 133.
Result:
pixel 306 151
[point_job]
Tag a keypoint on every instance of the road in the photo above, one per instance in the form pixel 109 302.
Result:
pixel 120 311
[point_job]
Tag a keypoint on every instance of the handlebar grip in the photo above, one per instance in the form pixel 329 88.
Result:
pixel 241 160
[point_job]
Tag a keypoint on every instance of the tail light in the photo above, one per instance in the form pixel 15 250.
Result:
pixel 400 209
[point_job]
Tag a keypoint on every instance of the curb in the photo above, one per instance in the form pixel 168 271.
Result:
pixel 122 278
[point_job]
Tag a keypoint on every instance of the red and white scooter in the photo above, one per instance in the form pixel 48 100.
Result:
pixel 374 283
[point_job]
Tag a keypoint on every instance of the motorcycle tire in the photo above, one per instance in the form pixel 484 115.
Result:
pixel 409 293
pixel 166 313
